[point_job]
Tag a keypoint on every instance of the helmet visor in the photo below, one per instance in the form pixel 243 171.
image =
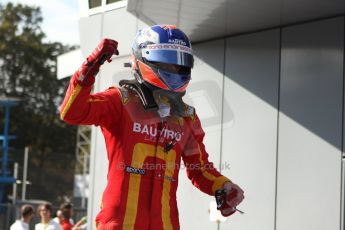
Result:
pixel 169 53
pixel 173 80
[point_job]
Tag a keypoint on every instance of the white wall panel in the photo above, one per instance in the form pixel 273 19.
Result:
pixel 90 33
pixel 141 24
pixel 250 125
pixel 205 93
pixel 309 155
pixel 121 26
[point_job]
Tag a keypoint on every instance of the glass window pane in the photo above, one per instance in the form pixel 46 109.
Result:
pixel 94 3
pixel 111 1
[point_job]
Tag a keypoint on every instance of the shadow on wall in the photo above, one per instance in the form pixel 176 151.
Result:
pixel 303 72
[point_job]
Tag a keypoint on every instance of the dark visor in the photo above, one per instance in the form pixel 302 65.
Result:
pixel 174 80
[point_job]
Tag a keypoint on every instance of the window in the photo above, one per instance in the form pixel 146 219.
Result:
pixel 112 1
pixel 95 3
pixel 99 6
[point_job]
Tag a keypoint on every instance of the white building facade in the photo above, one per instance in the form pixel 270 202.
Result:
pixel 268 85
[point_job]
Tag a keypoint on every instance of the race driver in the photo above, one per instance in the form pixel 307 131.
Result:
pixel 147 130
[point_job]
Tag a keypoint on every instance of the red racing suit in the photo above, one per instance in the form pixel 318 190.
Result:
pixel 142 176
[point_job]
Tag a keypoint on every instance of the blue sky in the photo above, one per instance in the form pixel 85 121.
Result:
pixel 60 19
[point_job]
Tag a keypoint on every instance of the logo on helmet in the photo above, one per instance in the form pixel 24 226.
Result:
pixel 167 46
pixel 177 41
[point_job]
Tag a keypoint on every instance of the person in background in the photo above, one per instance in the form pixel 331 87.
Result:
pixel 58 217
pixel 45 212
pixel 67 212
pixel 27 213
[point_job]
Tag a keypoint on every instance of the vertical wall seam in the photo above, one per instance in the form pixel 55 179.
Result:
pixel 222 109
pixel 222 113
pixel 277 140
pixel 342 139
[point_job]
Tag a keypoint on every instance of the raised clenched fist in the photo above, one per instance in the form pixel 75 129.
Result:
pixel 85 75
pixel 103 52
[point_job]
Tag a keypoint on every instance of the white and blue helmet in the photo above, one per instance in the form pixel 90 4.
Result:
pixel 163 57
